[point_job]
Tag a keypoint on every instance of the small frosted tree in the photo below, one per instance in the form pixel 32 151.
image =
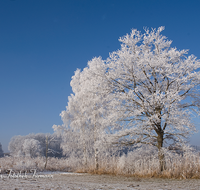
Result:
pixel 51 139
pixel 151 89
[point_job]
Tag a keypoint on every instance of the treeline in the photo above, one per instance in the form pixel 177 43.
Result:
pixel 34 145
pixel 64 143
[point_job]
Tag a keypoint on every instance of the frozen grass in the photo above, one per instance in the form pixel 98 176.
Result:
pixel 177 167
pixel 136 163
pixel 27 163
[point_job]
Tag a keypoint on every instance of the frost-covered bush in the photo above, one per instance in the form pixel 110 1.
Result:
pixel 143 158
pixel 144 161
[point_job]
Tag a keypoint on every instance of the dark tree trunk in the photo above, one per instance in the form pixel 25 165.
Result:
pixel 96 160
pixel 160 152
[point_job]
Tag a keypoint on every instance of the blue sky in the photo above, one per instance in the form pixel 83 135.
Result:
pixel 42 43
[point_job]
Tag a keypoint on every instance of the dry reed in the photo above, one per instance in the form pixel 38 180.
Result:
pixel 177 166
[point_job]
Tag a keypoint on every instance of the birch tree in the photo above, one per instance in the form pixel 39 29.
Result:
pixel 152 90
pixel 85 109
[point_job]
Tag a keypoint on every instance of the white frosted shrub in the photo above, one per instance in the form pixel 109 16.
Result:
pixel 145 162
pixel 141 160
pixel 121 163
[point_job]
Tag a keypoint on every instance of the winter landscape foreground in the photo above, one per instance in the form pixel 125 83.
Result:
pixel 77 181
pixel 69 174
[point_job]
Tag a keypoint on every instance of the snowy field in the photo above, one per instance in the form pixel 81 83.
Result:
pixel 76 181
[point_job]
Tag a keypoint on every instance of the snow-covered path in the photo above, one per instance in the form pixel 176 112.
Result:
pixel 70 181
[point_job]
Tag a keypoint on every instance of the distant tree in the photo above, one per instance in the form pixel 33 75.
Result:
pixel 32 147
pixel 1 151
pixel 15 146
pixel 51 139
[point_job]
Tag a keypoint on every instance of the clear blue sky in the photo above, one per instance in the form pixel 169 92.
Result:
pixel 42 42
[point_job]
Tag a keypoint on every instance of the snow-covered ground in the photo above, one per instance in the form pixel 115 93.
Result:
pixel 76 181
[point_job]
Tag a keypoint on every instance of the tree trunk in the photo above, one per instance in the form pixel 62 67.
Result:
pixel 46 152
pixel 85 154
pixel 96 159
pixel 95 148
pixel 160 152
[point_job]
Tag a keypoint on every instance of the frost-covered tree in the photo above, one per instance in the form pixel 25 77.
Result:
pixel 154 89
pixel 55 149
pixel 32 147
pixel 151 90
pixel 53 143
pixel 16 145
pixel 1 151
pixel 85 111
